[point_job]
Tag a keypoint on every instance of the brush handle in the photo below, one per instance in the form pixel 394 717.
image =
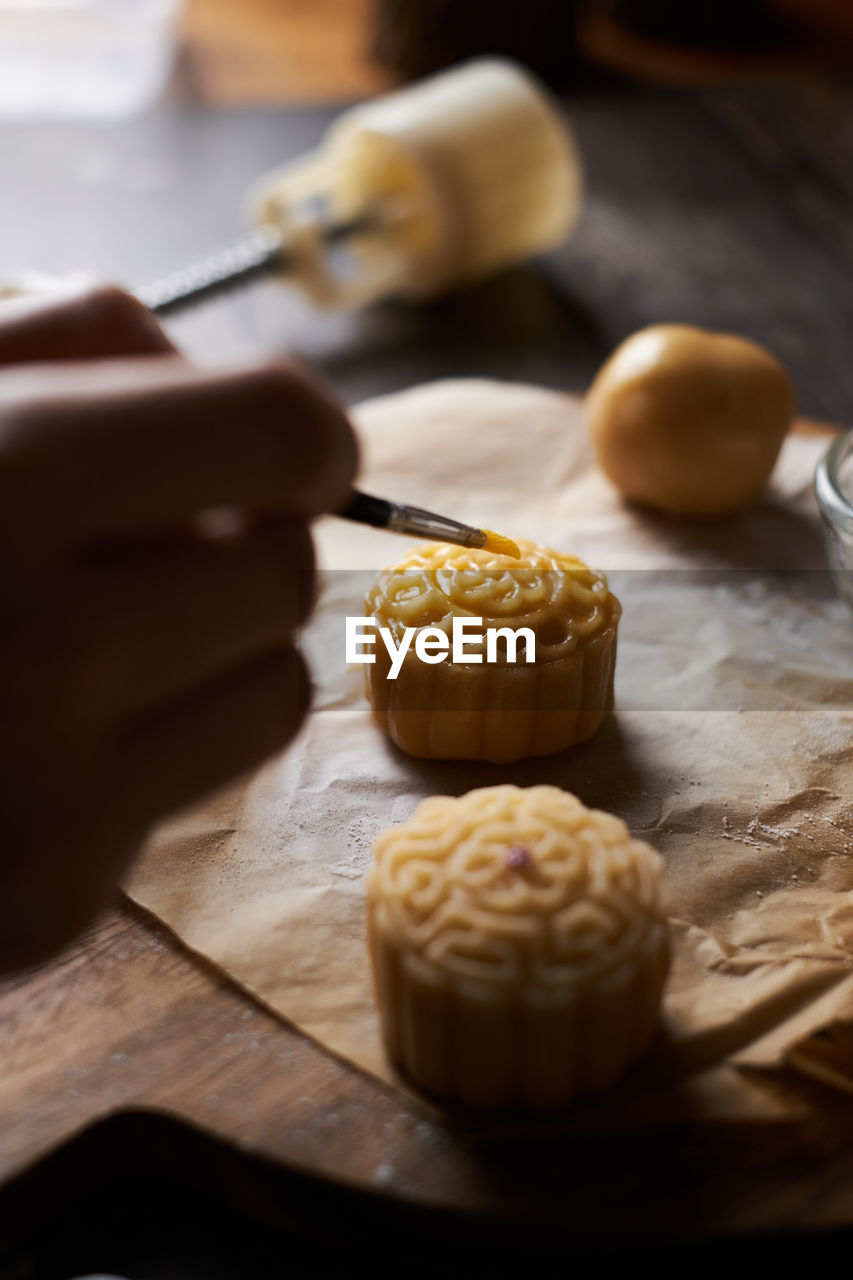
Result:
pixel 366 509
pixel 398 517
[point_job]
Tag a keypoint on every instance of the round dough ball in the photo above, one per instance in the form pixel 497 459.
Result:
pixel 689 421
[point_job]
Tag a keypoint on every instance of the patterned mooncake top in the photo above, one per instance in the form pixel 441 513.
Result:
pixel 564 602
pixel 517 887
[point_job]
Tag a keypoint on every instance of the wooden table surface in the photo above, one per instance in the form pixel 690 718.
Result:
pixel 238 52
pixel 728 207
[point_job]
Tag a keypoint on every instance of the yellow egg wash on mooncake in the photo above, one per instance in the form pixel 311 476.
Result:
pixel 510 708
pixel 503 546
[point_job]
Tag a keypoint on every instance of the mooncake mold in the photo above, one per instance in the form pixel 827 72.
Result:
pixel 518 944
pixel 507 709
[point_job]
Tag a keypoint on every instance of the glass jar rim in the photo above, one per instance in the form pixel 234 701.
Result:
pixel 834 504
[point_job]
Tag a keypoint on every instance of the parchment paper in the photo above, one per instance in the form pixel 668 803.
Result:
pixel 730 751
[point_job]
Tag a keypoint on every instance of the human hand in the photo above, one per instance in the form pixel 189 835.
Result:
pixel 144 658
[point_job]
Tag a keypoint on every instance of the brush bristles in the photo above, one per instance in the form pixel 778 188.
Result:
pixel 502 546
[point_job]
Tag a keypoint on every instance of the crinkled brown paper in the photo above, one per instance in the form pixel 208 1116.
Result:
pixel 730 751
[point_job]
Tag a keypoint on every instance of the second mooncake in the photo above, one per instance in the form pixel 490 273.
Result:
pixel 519 946
pixel 507 708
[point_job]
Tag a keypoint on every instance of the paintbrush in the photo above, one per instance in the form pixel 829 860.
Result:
pixel 396 517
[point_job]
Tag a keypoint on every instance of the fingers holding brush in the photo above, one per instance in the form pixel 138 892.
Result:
pixel 146 625
pixel 98 321
pixel 147 652
pixel 128 448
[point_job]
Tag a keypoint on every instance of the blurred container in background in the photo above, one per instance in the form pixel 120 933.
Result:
pixel 84 59
pixel 834 486
pixel 671 40
pixel 414 38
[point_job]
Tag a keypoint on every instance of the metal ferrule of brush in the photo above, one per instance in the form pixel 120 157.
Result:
pixel 426 524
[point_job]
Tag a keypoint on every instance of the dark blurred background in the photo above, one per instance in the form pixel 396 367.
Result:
pixel 717 140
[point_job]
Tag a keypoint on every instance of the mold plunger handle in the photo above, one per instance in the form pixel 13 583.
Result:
pixel 262 252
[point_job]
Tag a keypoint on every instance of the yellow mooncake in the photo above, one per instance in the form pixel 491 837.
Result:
pixel 518 944
pixel 508 708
